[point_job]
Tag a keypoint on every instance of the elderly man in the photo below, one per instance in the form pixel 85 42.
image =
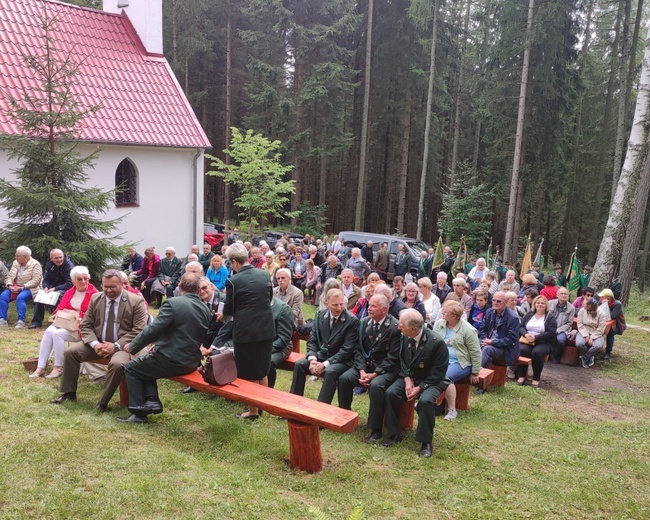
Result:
pixel 132 262
pixel 510 281
pixel 441 289
pixel 367 253
pixel 448 263
pixel 499 333
pixel 330 348
pixel 204 259
pixel 114 317
pixel 398 286
pixel 376 352
pixel 563 312
pixel 396 304
pixel 56 278
pixel 168 275
pixel 350 290
pixel 402 262
pixel 289 294
pixel 22 284
pixel 422 367
pixel 176 335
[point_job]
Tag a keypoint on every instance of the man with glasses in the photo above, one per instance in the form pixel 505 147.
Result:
pixel 563 312
pixel 56 278
pixel 499 333
pixel 169 273
pixel 114 317
pixel 289 294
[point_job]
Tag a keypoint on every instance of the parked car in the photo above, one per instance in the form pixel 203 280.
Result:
pixel 271 238
pixel 213 235
pixel 412 246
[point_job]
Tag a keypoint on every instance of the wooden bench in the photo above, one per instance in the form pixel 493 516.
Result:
pixel 295 341
pixel 499 378
pixel 571 354
pixel 304 416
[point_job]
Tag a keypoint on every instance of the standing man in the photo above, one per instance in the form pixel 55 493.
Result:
pixel 560 279
pixel 114 317
pixel 56 278
pixel 330 348
pixel 336 245
pixel 376 352
pixel 177 333
pixel 424 265
pixel 499 333
pixel 382 261
pixel 422 368
pixel 402 262
pixel 448 263
pixel 289 294
pixel 367 252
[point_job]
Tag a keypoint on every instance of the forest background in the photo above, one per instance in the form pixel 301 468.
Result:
pixel 297 71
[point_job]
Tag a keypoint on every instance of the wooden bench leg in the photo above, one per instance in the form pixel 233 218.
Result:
pixel 295 344
pixel 406 415
pixel 570 356
pixel 124 393
pixel 462 396
pixel 304 447
pixel 499 377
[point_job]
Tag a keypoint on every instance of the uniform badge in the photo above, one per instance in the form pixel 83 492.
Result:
pixel 421 364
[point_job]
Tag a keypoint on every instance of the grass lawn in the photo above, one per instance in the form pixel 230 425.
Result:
pixel 566 452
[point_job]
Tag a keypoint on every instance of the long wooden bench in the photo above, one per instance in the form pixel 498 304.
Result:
pixel 500 371
pixel 571 354
pixel 304 416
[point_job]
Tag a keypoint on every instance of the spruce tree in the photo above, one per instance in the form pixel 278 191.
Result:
pixel 49 205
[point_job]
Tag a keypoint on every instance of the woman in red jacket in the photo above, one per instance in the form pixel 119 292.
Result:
pixel 77 299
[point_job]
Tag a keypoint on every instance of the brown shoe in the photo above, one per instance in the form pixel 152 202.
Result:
pixel 68 396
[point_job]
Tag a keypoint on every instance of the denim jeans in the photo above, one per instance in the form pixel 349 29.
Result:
pixel 21 303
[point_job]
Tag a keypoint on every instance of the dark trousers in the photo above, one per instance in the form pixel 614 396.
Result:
pixel 146 291
pixel 560 343
pixel 276 359
pixel 537 354
pixel 141 375
pixel 330 379
pixel 348 381
pixel 39 311
pixel 426 408
pixel 377 393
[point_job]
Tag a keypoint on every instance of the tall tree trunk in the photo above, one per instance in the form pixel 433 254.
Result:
pixel 644 257
pixel 406 139
pixel 477 145
pixel 187 75
pixel 517 224
pixel 622 101
pixel 174 32
pixel 633 232
pixel 363 148
pixel 459 90
pixel 631 71
pixel 322 181
pixel 226 188
pixel 609 253
pixel 510 240
pixel 427 126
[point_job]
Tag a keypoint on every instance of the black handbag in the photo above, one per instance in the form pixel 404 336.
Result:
pixel 219 369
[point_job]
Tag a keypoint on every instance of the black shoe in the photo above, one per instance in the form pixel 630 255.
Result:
pixel 480 391
pixel 101 407
pixel 188 390
pixel 392 440
pixel 374 437
pixel 68 396
pixel 132 419
pixel 33 325
pixel 425 450
pixel 605 357
pixel 147 408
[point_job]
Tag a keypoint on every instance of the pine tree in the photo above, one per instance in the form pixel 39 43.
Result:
pixel 50 206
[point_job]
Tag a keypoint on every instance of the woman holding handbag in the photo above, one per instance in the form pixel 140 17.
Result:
pixel 67 316
pixel 538 330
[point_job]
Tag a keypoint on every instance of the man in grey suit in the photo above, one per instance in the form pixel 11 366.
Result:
pixel 330 348
pixel 177 333
pixel 114 317
pixel 289 294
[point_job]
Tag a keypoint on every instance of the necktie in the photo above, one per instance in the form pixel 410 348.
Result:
pixel 375 330
pixel 413 346
pixel 332 323
pixel 110 324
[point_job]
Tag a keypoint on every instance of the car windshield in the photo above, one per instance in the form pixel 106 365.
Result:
pixel 417 246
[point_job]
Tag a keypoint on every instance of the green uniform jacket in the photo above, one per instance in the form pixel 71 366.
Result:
pixel 171 268
pixel 283 316
pixel 378 353
pixel 177 331
pixel 428 366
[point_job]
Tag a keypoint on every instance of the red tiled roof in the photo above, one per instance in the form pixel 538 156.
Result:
pixel 139 98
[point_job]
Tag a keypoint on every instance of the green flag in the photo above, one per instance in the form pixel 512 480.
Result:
pixel 438 255
pixel 488 260
pixel 573 276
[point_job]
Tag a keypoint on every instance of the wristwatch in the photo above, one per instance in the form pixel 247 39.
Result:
pixel 118 348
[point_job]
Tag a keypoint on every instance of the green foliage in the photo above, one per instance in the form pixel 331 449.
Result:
pixel 466 209
pixel 50 206
pixel 258 174
pixel 312 219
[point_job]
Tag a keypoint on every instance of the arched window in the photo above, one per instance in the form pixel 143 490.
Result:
pixel 126 184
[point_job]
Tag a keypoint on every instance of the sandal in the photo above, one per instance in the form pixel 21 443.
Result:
pixel 56 372
pixel 39 372
pixel 521 381
pixel 247 415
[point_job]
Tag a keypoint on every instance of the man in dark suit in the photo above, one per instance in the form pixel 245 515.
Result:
pixel 422 368
pixel 376 350
pixel 499 333
pixel 56 278
pixel 402 261
pixel 330 348
pixel 114 317
pixel 177 333
pixel 283 317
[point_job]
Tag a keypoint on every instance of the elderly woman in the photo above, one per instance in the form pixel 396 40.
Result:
pixel 358 265
pixel 464 350
pixel 217 273
pixel 22 284
pixel 312 277
pixel 538 329
pixel 430 301
pixel 269 265
pixel 591 330
pixel 411 299
pixel 477 273
pixel 149 272
pixel 77 299
pixel 529 282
